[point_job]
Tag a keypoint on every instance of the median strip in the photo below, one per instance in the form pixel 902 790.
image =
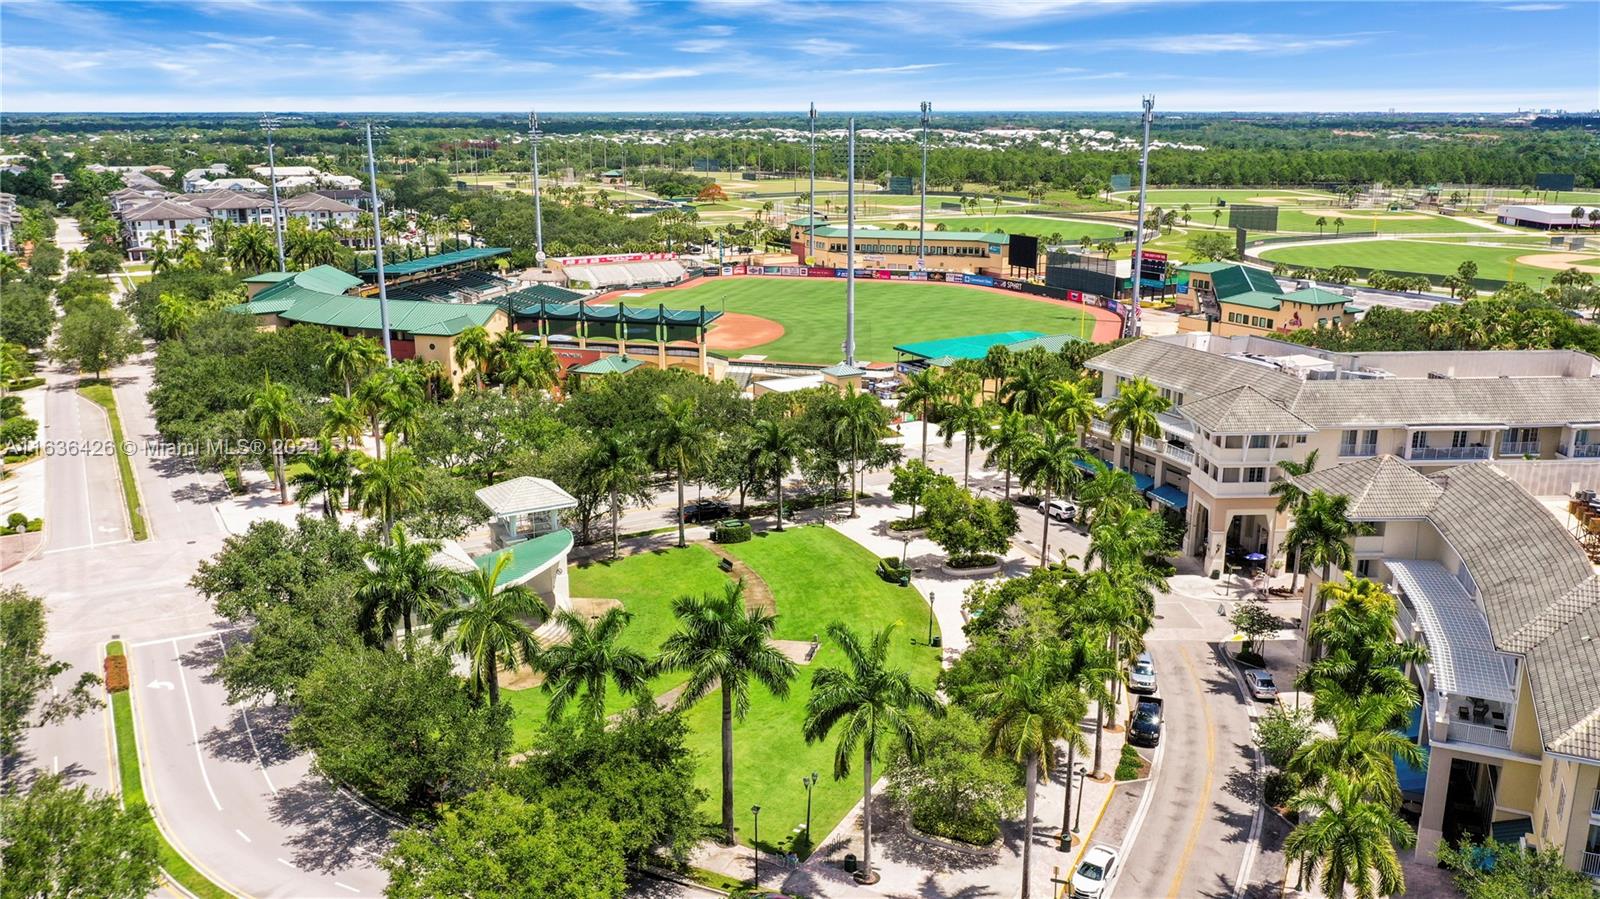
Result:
pixel 101 395
pixel 173 865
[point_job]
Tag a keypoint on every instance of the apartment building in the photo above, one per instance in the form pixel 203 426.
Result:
pixel 1243 405
pixel 167 217
pixel 238 207
pixel 10 217
pixel 317 210
pixel 1508 605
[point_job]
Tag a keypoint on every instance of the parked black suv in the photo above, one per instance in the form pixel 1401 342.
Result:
pixel 707 510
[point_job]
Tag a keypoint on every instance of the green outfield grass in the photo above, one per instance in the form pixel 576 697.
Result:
pixel 1364 221
pixel 1042 226
pixel 1434 258
pixel 811 311
pixel 1208 197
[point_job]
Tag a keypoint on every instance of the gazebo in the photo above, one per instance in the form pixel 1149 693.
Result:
pixel 526 524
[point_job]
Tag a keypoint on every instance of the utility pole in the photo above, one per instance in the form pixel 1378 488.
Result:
pixel 922 214
pixel 850 253
pixel 377 236
pixel 1149 104
pixel 811 196
pixel 538 211
pixel 269 124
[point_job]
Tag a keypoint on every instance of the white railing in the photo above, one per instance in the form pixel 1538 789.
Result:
pixel 1582 451
pixel 1179 454
pixel 1519 447
pixel 1481 734
pixel 1150 443
pixel 1591 864
pixel 1594 806
pixel 1358 449
pixel 1449 453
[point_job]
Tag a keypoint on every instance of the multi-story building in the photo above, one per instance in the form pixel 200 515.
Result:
pixel 1507 603
pixel 170 218
pixel 10 217
pixel 1242 406
pixel 884 248
pixel 238 207
pixel 1231 299
pixel 317 210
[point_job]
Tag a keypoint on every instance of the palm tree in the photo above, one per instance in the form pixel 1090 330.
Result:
pixel 1072 406
pixel 342 419
pixel 529 369
pixel 1291 498
pixel 472 351
pixel 678 443
pixel 1006 441
pixel 591 655
pixel 160 258
pixel 386 486
pixel 1049 464
pixel 1110 607
pixel 724 645
pixel 1136 410
pixel 1364 745
pixel 222 231
pixel 1322 532
pixel 1106 495
pixel 274 414
pixel 1086 667
pixel 327 474
pixel 374 395
pixel 1321 223
pixel 871 703
pixel 618 470
pixel 777 446
pixel 1028 389
pixel 351 358
pixel 491 625
pixel 401 583
pixel 996 365
pixel 964 416
pixel 860 420
pixel 1030 710
pixel 174 314
pixel 1351 838
pixel 921 391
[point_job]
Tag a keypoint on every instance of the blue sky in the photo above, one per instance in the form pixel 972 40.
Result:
pixel 715 55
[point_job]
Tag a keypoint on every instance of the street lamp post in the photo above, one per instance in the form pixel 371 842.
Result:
pixel 850 254
pixel 810 781
pixel 755 843
pixel 538 212
pixel 269 124
pixel 811 196
pixel 1077 819
pixel 1138 239
pixel 922 213
pixel 377 236
pixel 930 617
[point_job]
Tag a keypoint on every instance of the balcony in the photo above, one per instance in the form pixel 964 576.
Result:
pixel 1179 454
pixel 1447 453
pixel 1591 864
pixel 1358 449
pixel 1519 447
pixel 1481 734
pixel 1581 451
pixel 1594 804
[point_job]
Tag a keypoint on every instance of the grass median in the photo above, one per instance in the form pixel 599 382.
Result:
pixel 99 393
pixel 174 865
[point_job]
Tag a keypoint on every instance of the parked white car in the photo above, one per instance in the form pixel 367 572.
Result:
pixel 1094 872
pixel 1059 509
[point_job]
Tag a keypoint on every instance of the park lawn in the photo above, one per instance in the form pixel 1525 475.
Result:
pixel 646 584
pixel 1424 257
pixel 1038 225
pixel 811 311
pixel 818 576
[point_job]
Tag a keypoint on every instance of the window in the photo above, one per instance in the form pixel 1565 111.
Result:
pixel 1255 474
pixel 1259 441
pixel 1458 439
pixel 1593 845
pixel 1419 439
pixel 1364 568
pixel 1299 438
pixel 1230 476
pixel 1233 441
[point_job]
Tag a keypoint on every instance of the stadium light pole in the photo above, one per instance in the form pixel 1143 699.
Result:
pixel 538 211
pixel 377 236
pixel 1149 104
pixel 811 196
pixel 922 207
pixel 850 253
pixel 269 124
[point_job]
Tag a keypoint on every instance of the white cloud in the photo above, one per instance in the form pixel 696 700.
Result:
pixel 821 46
pixel 1022 46
pixel 648 74
pixel 894 70
pixel 701 45
pixel 1237 42
pixel 1534 7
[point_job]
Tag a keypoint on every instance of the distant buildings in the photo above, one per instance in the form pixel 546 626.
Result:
pixel 10 217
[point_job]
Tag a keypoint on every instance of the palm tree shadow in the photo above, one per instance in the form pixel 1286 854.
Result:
pixel 329 830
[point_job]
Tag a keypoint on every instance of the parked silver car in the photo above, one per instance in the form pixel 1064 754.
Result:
pixel 1142 674
pixel 1261 684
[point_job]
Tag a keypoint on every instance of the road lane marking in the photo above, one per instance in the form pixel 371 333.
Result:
pixel 200 636
pixel 345 886
pixel 287 864
pixel 1252 846
pixel 1205 790
pixel 194 729
pixel 250 732
pixel 242 835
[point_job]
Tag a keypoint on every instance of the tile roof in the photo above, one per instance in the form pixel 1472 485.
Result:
pixel 1379 488
pixel 1244 410
pixel 315 202
pixel 1196 373
pixel 524 494
pixel 162 209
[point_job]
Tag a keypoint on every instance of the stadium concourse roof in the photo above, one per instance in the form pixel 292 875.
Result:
pixel 439 261
pixel 970 347
pixel 614 364
pixel 647 315
pixel 324 278
pixel 863 232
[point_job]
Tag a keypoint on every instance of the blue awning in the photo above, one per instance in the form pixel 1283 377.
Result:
pixel 1171 497
pixel 1085 465
pixel 1142 482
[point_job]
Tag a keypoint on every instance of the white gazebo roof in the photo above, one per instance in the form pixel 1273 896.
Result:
pixel 520 496
pixel 1461 652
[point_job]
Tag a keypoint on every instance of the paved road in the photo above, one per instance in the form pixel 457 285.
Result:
pixel 83 492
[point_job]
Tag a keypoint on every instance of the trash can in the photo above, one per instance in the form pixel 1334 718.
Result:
pixel 850 863
pixel 936 642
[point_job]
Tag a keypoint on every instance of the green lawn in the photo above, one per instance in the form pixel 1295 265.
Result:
pixel 1363 220
pixel 646 584
pixel 812 313
pixel 1041 226
pixel 1436 258
pixel 1206 197
pixel 100 393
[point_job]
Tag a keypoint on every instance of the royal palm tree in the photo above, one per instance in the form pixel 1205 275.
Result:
pixel 859 422
pixel 1107 494
pixel 389 484
pixel 1006 441
pixel 351 358
pixel 404 416
pixel 679 443
pixel 1072 406
pixel 1322 532
pixel 491 624
pixel 1029 388
pixel 274 415
pixel 1135 411
pixel 1364 745
pixel 619 471
pixel 777 446
pixel 473 352
pixel 327 474
pixel 373 396
pixel 1086 667
pixel 1049 464
pixel 1290 499
pixel 529 369
pixel 1029 711
pixel 921 392
pixel 592 655
pixel 964 416
pixel 871 704
pixel 343 420
pixel 1350 838
pixel 401 583
pixel 1111 610
pixel 996 365
pixel 724 645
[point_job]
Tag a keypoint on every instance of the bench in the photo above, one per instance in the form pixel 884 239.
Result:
pixel 725 564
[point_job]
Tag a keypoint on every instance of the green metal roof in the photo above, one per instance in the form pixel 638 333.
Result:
pixel 528 556
pixel 1051 343
pixel 439 260
pixel 268 277
pixel 1256 299
pixel 840 370
pixel 324 278
pixel 971 347
pixel 999 237
pixel 536 294
pixel 613 364
pixel 410 316
pixel 1205 268
pixel 1312 296
pixel 1237 279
